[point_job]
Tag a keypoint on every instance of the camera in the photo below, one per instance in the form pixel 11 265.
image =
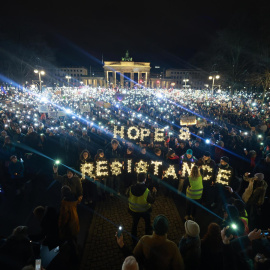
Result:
pixel 119 231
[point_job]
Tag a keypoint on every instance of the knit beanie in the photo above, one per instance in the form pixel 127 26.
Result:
pixel 260 176
pixel 189 152
pixel 160 225
pixel 226 159
pixel 170 152
pixel 192 228
pixel 207 154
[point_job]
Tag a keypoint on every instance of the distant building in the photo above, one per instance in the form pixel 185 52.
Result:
pixel 129 74
pixel 76 75
pixel 187 78
pixel 126 73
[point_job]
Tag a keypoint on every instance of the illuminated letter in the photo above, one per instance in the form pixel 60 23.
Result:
pixel 186 168
pixel 120 132
pixel 129 163
pixel 133 137
pixel 156 165
pixel 141 167
pixel 116 168
pixel 88 169
pixel 102 168
pixel 223 177
pixel 170 172
pixel 145 132
pixel 159 134
pixel 184 134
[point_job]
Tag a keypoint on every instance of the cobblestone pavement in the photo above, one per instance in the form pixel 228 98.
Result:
pixel 101 250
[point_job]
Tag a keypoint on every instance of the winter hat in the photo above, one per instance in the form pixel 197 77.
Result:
pixel 207 154
pixel 160 225
pixel 192 228
pixel 226 159
pixel 170 152
pixel 260 176
pixel 189 152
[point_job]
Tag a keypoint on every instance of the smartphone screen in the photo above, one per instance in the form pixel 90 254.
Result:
pixel 38 264
pixel 119 232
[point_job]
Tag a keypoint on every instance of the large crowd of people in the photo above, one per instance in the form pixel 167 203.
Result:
pixel 222 163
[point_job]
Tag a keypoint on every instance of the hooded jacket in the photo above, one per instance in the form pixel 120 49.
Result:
pixel 74 183
pixel 68 222
pixel 138 190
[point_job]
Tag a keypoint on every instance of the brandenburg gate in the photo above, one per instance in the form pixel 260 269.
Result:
pixel 127 72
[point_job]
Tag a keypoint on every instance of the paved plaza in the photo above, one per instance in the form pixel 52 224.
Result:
pixel 101 250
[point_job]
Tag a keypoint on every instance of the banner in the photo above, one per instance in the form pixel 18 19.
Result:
pixel 43 108
pixel 52 114
pixel 102 169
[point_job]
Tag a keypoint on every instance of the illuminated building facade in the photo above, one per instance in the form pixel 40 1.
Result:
pixel 126 73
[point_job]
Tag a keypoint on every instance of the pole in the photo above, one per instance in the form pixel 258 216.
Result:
pixel 213 86
pixel 39 76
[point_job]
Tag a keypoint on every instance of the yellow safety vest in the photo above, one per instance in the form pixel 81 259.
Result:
pixel 139 204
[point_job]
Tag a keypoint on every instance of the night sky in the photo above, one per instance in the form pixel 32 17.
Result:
pixel 163 33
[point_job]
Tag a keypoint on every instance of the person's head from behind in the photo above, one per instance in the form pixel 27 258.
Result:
pixel 160 225
pixel 39 212
pixel 192 228
pixel 130 263
pixel 20 232
pixel 141 177
pixel 195 171
pixel 213 232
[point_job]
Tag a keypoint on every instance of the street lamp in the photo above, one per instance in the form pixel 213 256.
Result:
pixel 185 81
pixel 213 82
pixel 39 72
pixel 68 78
